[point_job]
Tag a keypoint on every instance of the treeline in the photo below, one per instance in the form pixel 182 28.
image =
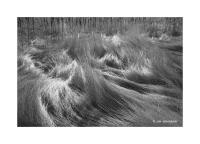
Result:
pixel 57 27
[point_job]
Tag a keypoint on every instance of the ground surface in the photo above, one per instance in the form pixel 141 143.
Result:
pixel 98 80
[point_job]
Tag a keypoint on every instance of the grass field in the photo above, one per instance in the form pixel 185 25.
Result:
pixel 96 79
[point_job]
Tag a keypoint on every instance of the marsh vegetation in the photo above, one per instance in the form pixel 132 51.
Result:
pixel 100 72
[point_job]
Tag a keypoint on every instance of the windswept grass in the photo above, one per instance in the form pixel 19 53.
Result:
pixel 96 80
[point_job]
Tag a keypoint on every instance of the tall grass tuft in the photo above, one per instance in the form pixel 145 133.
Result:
pixel 96 80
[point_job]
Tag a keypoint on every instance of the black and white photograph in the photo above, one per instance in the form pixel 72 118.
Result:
pixel 99 71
